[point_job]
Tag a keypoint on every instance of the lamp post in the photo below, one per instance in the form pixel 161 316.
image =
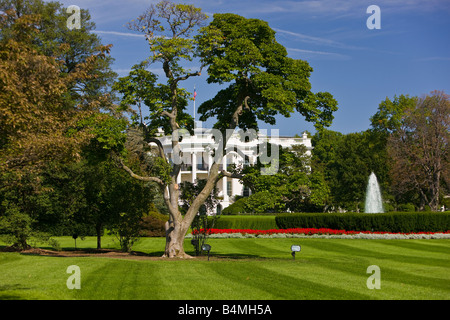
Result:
pixel 207 248
pixel 295 248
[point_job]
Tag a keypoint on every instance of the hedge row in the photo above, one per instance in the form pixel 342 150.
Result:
pixel 388 222
pixel 246 222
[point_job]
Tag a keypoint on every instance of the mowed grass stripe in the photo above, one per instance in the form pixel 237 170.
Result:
pixel 109 281
pixel 408 274
pixel 377 251
pixel 430 246
pixel 35 277
pixel 271 280
pixel 307 271
pixel 241 269
pixel 426 247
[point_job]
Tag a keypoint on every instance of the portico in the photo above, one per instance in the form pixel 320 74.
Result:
pixel 197 157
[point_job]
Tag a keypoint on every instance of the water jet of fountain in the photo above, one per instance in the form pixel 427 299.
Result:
pixel 374 202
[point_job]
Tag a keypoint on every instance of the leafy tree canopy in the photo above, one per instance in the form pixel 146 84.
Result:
pixel 263 80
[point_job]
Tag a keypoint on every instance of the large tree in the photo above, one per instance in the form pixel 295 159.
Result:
pixel 419 149
pixel 44 93
pixel 51 37
pixel 41 109
pixel 261 82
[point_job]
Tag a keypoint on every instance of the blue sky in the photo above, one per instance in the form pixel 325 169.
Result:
pixel 410 54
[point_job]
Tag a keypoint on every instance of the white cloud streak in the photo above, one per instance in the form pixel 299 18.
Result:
pixel 316 40
pixel 121 34
pixel 325 54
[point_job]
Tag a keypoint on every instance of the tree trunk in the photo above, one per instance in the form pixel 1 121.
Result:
pixel 177 226
pixel 21 244
pixel 98 228
pixel 175 241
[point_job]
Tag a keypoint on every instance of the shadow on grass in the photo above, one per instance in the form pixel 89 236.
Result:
pixel 91 252
pixel 5 292
pixel 236 256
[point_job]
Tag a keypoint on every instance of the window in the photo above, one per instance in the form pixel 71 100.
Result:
pixel 229 193
pixel 246 161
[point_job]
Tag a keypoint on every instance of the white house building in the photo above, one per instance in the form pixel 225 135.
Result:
pixel 197 156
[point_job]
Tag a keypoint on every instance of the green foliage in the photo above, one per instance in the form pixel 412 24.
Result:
pixel 264 81
pixel 202 221
pixel 53 119
pixel 140 89
pixel 108 135
pixel 389 222
pixel 189 191
pixel 293 187
pixel 264 201
pixel 389 116
pixel 153 224
pixel 126 230
pixel 16 225
pixel 407 207
pixel 256 222
pixel 168 28
pixel 237 207
pixel 52 38
pixel 18 229
pixel 346 161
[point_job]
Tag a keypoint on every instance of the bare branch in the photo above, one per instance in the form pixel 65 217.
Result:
pixel 231 175
pixel 160 147
pixel 187 76
pixel 138 177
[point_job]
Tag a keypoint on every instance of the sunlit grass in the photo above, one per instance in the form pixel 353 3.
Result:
pixel 253 269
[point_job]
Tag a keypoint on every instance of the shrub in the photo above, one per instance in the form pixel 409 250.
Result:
pixel 264 201
pixel 246 222
pixel 388 222
pixel 153 224
pixel 406 207
pixel 238 207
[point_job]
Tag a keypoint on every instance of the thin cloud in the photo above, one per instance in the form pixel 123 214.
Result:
pixel 121 34
pixel 320 53
pixel 334 8
pixel 316 40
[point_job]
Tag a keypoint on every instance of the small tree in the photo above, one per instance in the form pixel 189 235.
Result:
pixel 127 228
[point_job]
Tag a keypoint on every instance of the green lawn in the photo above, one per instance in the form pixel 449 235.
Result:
pixel 250 269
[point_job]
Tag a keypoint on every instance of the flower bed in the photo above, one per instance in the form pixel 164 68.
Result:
pixel 318 233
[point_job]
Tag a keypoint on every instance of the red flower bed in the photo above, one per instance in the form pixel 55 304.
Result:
pixel 306 231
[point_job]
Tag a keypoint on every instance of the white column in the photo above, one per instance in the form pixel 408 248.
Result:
pixel 236 187
pixel 224 180
pixel 210 162
pixel 194 167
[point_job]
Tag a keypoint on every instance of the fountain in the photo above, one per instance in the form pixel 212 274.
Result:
pixel 374 203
